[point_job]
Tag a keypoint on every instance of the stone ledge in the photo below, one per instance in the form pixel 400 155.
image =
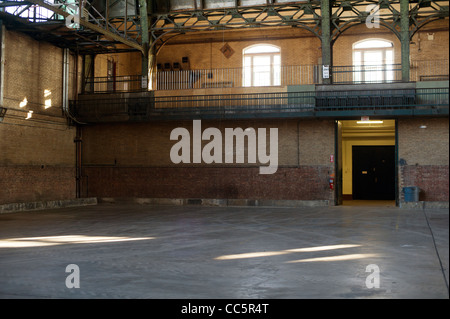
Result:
pixel 54 204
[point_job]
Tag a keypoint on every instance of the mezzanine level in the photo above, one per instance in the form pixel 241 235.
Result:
pixel 303 101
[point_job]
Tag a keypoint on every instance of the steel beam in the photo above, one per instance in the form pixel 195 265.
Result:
pixel 90 25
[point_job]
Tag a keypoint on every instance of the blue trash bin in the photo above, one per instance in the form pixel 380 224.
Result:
pixel 411 194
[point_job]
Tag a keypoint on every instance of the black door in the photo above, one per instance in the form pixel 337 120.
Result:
pixel 374 172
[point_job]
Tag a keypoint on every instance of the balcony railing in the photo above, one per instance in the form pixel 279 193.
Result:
pixel 429 71
pixel 112 84
pixel 358 74
pixel 412 101
pixel 231 78
pixel 289 76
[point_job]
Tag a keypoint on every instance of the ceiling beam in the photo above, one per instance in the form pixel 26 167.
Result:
pixel 90 25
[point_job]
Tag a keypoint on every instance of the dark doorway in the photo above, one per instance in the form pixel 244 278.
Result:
pixel 373 172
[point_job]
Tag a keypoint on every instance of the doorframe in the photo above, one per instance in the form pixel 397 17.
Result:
pixel 397 193
pixel 338 164
pixel 338 189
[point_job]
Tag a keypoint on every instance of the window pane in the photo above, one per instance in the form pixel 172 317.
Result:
pixel 262 49
pixel 261 60
pixel 357 58
pixel 373 65
pixel 276 69
pixel 247 71
pixel 262 66
pixel 368 44
pixel 389 57
pixel 261 75
pixel 389 65
pixel 373 57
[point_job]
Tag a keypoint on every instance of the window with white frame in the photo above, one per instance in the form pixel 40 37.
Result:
pixel 373 61
pixel 262 65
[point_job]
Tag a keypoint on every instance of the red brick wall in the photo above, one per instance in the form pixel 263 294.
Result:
pixel 433 180
pixel 302 183
pixel 36 183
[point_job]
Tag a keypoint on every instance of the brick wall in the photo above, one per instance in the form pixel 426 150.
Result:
pixel 431 179
pixel 31 183
pixel 298 183
pixel 37 155
pixel 133 160
pixel 424 157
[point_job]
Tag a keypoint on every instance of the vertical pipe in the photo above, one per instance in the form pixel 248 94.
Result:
pixel 65 80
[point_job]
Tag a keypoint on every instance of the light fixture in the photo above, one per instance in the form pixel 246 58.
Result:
pixel 423 126
pixel 370 122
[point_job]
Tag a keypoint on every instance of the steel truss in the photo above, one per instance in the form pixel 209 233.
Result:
pixel 326 19
pixel 88 22
pixel 307 15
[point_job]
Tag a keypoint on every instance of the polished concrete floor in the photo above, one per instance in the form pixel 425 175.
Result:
pixel 193 252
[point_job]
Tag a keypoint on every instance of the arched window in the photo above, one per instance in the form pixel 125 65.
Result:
pixel 373 61
pixel 262 65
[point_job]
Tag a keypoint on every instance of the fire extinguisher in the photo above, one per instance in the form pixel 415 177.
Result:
pixel 331 183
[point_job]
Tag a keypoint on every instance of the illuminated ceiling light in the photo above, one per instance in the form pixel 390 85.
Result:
pixel 423 126
pixel 370 122
pixel 366 120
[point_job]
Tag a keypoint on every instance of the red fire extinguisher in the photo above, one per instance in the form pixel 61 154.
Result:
pixel 331 183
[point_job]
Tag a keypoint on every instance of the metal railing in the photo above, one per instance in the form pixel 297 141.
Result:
pixel 429 70
pixel 346 100
pixel 288 76
pixel 232 78
pixel 126 83
pixel 357 74
pixel 263 105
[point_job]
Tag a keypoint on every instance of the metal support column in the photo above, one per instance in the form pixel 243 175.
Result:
pixel 404 38
pixel 144 16
pixel 327 48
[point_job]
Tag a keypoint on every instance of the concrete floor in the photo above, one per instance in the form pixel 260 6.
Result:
pixel 140 251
